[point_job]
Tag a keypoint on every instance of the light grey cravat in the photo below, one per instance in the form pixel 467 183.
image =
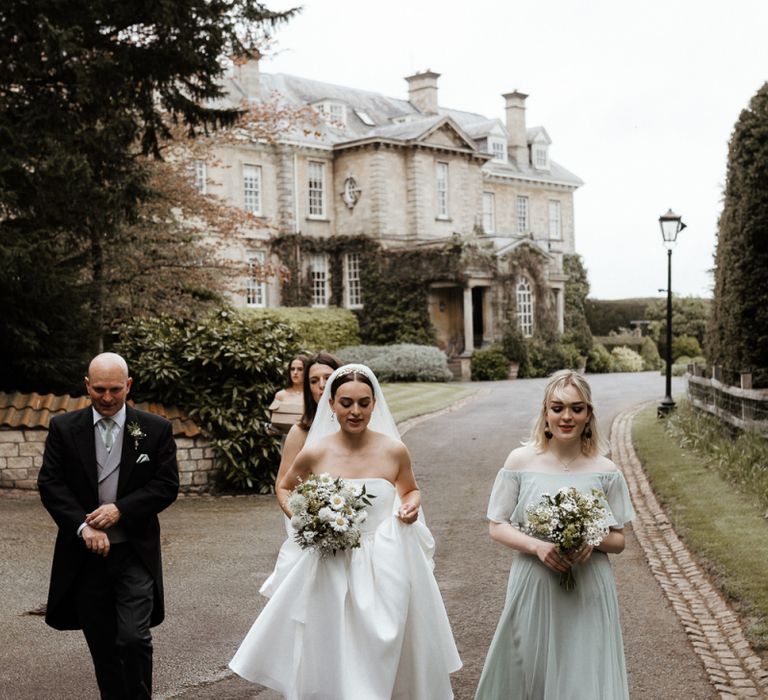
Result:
pixel 106 426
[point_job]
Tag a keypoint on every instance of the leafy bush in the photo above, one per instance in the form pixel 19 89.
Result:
pixel 599 360
pixel 685 345
pixel 400 363
pixel 514 346
pixel 650 354
pixel 546 358
pixel 315 329
pixel 490 364
pixel 625 360
pixel 223 371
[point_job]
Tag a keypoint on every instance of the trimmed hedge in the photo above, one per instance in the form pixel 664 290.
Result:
pixel 737 337
pixel 606 315
pixel 400 363
pixel 315 329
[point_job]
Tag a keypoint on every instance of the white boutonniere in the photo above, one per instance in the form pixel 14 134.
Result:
pixel 134 430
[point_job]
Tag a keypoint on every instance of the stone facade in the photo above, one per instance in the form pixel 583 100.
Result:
pixel 405 172
pixel 197 465
pixel 21 456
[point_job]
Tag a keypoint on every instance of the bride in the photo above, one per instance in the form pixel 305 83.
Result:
pixel 366 623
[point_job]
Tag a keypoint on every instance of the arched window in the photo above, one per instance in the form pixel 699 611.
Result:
pixel 524 298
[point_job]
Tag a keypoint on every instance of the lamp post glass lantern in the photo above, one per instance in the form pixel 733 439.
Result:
pixel 671 224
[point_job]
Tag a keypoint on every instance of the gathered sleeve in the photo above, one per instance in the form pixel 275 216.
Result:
pixel 618 499
pixel 504 496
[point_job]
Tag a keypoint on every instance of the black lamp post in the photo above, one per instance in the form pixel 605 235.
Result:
pixel 671 224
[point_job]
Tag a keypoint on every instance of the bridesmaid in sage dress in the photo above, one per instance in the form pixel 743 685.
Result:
pixel 552 643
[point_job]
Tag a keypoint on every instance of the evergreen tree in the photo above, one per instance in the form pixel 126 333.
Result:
pixel 737 335
pixel 576 293
pixel 87 88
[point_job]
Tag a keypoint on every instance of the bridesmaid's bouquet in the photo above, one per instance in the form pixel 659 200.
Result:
pixel 570 520
pixel 327 513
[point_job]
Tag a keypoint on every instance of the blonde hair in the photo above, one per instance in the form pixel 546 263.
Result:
pixel 590 446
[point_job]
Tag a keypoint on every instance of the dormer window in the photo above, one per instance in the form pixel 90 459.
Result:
pixel 335 113
pixel 540 156
pixel 364 117
pixel 498 148
pixel 405 118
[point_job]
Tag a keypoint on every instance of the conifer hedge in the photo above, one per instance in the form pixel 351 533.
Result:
pixel 737 336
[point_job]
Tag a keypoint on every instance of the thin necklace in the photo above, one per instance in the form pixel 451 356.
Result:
pixel 566 465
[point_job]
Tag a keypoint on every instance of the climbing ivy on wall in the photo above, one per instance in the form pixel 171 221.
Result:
pixel 395 282
pixel 526 261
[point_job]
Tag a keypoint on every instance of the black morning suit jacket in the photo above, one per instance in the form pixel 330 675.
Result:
pixel 68 489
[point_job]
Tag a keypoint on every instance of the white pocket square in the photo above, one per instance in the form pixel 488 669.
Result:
pixel 142 458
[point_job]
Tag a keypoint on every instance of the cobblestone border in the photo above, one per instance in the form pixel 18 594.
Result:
pixel 713 628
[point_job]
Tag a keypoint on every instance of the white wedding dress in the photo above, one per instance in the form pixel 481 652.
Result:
pixel 365 624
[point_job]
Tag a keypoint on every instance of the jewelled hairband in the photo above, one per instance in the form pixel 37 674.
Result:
pixel 354 369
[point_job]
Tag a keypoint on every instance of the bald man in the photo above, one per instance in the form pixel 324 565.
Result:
pixel 108 470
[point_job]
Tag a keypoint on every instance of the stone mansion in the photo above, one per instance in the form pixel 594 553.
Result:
pixel 410 174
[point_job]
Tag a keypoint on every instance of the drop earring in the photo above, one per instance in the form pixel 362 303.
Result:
pixel 587 432
pixel 547 432
pixel 333 417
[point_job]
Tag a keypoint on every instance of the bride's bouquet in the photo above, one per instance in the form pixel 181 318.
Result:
pixel 570 520
pixel 327 513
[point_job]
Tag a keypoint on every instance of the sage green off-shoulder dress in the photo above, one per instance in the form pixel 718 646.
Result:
pixel 551 643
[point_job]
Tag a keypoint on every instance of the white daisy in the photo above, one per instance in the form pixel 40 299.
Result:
pixel 337 501
pixel 340 523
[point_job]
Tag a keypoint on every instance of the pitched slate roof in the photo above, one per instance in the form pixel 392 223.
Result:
pixel 383 111
pixel 33 410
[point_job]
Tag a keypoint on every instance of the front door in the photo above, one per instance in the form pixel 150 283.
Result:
pixel 446 315
pixel 478 325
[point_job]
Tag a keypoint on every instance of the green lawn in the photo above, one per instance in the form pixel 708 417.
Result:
pixel 409 399
pixel 725 529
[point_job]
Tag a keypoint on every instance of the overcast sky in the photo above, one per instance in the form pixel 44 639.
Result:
pixel 640 100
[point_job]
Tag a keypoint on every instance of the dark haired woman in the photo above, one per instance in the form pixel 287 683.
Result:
pixel 289 401
pixel 552 642
pixel 317 369
pixel 367 622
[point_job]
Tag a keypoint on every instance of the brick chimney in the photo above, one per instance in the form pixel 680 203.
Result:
pixel 247 74
pixel 517 136
pixel 422 91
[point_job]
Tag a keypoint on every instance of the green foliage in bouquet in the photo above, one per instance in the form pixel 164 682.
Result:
pixel 569 519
